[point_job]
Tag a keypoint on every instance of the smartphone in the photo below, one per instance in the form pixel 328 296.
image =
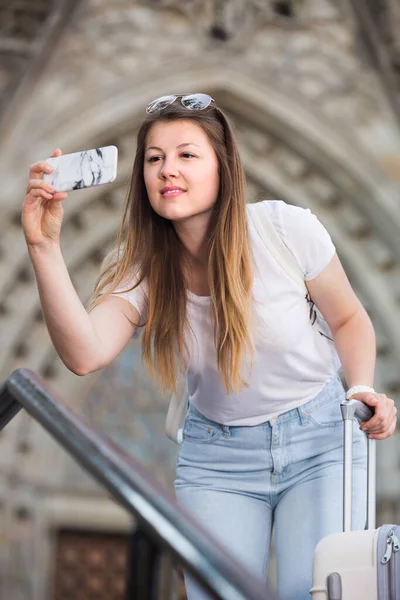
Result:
pixel 82 169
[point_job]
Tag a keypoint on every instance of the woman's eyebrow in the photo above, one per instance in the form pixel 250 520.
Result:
pixel 180 146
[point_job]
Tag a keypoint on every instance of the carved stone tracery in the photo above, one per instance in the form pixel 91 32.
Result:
pixel 21 23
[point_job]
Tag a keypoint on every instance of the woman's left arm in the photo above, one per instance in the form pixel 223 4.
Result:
pixel 355 343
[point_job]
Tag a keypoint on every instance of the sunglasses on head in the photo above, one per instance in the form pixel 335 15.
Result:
pixel 189 101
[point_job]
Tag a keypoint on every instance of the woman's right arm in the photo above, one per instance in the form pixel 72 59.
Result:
pixel 85 342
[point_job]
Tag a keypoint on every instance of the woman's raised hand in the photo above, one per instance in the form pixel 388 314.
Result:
pixel 42 210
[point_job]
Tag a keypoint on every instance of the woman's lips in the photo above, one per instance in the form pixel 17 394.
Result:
pixel 172 193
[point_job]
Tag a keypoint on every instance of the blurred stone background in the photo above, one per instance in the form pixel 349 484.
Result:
pixel 312 89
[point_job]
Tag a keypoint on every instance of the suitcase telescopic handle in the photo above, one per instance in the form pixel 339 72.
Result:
pixel 359 410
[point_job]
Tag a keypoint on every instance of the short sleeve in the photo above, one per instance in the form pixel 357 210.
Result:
pixel 304 235
pixel 138 298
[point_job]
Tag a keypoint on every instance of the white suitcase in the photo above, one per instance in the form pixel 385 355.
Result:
pixel 358 565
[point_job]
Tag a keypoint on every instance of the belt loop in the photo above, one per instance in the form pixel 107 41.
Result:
pixel 226 430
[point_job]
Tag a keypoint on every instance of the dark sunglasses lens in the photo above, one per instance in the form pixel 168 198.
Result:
pixel 196 101
pixel 160 103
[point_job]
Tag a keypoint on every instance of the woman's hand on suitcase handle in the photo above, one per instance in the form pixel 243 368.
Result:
pixel 383 424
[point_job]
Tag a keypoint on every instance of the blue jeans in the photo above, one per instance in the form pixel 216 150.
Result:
pixel 239 482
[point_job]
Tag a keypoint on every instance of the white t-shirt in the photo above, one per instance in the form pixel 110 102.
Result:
pixel 292 361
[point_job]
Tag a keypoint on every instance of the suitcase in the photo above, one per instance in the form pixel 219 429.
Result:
pixel 358 565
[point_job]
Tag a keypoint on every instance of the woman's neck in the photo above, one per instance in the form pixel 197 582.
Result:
pixel 194 236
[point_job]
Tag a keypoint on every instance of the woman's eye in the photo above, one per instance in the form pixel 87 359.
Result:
pixel 153 159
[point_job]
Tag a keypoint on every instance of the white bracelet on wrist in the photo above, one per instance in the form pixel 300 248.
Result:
pixel 357 389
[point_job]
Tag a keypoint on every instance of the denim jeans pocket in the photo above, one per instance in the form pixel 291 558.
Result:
pixel 325 415
pixel 199 431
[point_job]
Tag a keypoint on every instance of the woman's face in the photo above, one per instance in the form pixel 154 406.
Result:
pixel 180 170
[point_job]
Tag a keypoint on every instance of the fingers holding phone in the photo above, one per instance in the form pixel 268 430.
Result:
pixel 37 180
pixel 42 210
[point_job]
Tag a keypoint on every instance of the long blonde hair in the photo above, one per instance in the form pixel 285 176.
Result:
pixel 149 243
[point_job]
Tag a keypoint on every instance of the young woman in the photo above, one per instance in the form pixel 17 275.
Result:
pixel 262 439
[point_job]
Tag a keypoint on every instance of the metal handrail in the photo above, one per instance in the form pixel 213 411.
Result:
pixel 167 523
